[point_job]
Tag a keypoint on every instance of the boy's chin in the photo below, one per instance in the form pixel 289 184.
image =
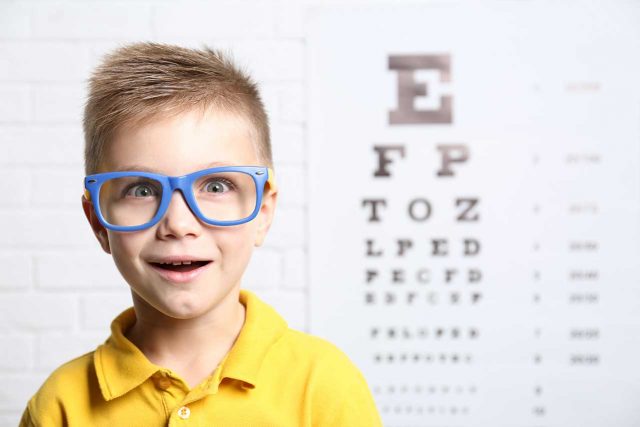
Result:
pixel 170 310
pixel 181 312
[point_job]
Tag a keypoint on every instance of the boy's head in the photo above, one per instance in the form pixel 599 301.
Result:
pixel 142 81
pixel 173 111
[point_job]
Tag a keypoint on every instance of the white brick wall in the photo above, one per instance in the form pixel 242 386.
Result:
pixel 58 289
pixel 16 271
pixel 22 385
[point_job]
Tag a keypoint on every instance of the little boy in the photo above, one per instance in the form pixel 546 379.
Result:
pixel 179 190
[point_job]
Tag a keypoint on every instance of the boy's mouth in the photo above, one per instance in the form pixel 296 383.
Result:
pixel 180 266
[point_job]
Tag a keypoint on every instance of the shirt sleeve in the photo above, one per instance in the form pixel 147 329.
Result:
pixel 342 396
pixel 357 408
pixel 26 420
pixel 43 409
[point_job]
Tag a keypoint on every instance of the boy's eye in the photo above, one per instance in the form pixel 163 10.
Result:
pixel 141 190
pixel 218 185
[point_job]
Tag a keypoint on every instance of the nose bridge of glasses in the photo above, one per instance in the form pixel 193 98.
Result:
pixel 180 183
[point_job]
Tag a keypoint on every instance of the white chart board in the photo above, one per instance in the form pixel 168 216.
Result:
pixel 474 208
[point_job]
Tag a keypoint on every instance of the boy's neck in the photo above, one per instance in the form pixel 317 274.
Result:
pixel 192 348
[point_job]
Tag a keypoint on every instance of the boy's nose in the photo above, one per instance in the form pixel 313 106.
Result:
pixel 179 220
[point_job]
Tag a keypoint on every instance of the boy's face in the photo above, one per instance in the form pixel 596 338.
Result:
pixel 176 146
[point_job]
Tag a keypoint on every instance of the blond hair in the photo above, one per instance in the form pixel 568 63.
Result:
pixel 141 81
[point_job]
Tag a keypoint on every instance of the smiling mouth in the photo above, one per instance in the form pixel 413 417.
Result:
pixel 182 266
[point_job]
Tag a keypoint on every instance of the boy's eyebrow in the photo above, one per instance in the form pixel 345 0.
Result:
pixel 141 168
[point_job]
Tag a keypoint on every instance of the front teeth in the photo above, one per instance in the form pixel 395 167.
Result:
pixel 178 263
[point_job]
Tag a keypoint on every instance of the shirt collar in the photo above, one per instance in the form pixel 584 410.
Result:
pixel 121 366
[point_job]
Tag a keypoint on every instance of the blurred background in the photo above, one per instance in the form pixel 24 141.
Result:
pixel 459 195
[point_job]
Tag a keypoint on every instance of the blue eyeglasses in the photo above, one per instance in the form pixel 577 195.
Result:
pixel 134 200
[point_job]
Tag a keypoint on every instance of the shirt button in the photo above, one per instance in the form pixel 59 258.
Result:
pixel 163 383
pixel 184 412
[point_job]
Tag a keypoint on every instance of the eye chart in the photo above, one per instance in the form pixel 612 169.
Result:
pixel 474 208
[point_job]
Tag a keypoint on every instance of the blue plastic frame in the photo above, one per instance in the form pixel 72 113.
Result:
pixel 261 175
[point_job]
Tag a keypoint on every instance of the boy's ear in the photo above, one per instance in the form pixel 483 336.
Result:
pixel 98 229
pixel 265 216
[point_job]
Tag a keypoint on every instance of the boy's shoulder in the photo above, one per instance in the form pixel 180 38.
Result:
pixel 69 381
pixel 336 388
pixel 318 356
pixel 70 373
pixel 292 350
pixel 313 346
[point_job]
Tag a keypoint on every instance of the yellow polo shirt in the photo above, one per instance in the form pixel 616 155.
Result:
pixel 272 376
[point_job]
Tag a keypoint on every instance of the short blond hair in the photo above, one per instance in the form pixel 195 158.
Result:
pixel 138 82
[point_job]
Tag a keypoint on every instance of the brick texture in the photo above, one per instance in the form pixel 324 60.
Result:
pixel 58 290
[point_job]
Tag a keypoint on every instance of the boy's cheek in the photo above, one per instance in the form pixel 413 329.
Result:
pixel 127 244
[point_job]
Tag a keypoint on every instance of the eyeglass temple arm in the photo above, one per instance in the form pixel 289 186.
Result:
pixel 271 181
